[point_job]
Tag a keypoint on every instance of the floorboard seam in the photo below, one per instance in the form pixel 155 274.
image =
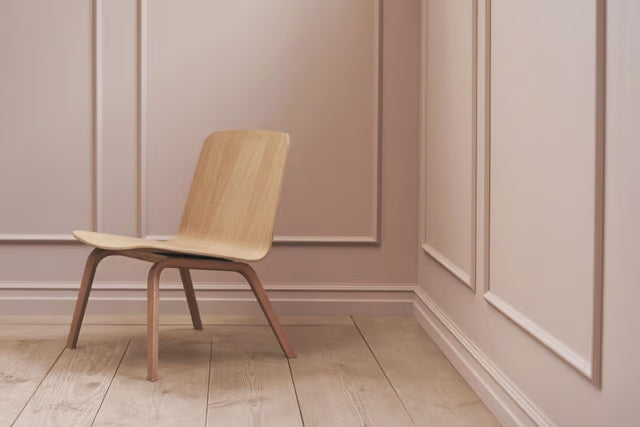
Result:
pixel 206 414
pixel 110 382
pixel 39 384
pixel 295 391
pixel 383 371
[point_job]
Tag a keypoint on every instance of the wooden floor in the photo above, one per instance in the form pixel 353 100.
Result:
pixel 350 371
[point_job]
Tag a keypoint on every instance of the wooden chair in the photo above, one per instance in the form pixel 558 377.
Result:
pixel 228 219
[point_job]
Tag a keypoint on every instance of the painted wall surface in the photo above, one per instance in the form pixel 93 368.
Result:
pixel 449 125
pixel 547 334
pixel 104 105
pixel 527 211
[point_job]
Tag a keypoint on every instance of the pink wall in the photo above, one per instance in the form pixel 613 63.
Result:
pixel 325 249
pixel 543 326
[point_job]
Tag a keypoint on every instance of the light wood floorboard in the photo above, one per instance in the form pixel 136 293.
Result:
pixel 9 333
pixel 250 380
pixel 339 382
pixel 72 392
pixel 23 365
pixel 432 390
pixel 179 397
pixel 378 371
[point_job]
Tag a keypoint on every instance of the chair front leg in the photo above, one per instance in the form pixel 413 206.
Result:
pixel 185 275
pixel 153 301
pixel 263 299
pixel 93 260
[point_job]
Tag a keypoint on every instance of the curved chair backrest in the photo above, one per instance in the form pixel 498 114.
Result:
pixel 235 190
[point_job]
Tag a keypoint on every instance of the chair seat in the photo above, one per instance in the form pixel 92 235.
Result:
pixel 177 245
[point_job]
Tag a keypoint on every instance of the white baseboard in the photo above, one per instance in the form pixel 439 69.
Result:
pixel 235 298
pixel 219 286
pixel 505 400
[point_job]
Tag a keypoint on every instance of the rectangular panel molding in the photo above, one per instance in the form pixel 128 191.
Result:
pixel 430 248
pixel 143 144
pixel 96 142
pixel 591 369
pixel 558 347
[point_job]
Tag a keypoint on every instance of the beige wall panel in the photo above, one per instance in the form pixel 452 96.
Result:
pixel 450 130
pixel 390 263
pixel 543 148
pixel 550 388
pixel 119 161
pixel 306 67
pixel 46 132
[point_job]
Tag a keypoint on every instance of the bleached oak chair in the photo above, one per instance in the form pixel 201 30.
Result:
pixel 228 220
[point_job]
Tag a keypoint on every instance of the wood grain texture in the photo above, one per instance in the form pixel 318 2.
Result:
pixel 179 397
pixel 71 393
pixel 263 299
pixel 242 380
pixel 153 322
pixel 116 332
pixel 23 365
pixel 250 380
pixel 432 390
pixel 93 260
pixel 231 207
pixel 339 382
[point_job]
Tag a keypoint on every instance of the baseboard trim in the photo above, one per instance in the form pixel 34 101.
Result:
pixel 220 286
pixel 505 400
pixel 229 298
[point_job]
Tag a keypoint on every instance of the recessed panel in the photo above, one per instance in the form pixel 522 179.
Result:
pixel 307 67
pixel 449 125
pixel 543 164
pixel 46 105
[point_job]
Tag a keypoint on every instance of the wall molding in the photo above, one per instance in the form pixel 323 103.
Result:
pixel 565 352
pixel 467 278
pixel 459 273
pixel 230 298
pixel 221 286
pixel 98 80
pixel 96 142
pixel 141 149
pixel 473 364
pixel 301 240
pixel 592 369
pixel 35 238
pixel 143 210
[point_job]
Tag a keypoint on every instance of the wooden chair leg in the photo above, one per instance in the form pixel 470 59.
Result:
pixel 185 275
pixel 93 260
pixel 267 309
pixel 153 300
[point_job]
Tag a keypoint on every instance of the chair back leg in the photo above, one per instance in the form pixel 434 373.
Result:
pixel 185 275
pixel 93 260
